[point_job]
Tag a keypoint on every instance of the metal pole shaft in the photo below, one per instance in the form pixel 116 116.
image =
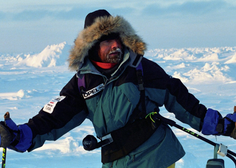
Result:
pixel 4 152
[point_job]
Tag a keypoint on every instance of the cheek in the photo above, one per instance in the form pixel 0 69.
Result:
pixel 103 50
pixel 102 54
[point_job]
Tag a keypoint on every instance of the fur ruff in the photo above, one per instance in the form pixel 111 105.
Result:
pixel 104 26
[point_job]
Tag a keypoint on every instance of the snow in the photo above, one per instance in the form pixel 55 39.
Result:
pixel 13 95
pixel 49 57
pixel 29 80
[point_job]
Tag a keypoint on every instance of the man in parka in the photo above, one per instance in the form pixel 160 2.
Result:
pixel 120 91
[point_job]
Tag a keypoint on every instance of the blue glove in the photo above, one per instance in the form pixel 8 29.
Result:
pixel 18 138
pixel 215 124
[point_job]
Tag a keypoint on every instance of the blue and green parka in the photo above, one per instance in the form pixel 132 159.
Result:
pixel 111 107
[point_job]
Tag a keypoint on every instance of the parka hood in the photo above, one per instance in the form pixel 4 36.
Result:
pixel 105 25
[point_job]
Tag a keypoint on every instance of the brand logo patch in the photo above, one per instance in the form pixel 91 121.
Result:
pixel 49 107
pixel 93 91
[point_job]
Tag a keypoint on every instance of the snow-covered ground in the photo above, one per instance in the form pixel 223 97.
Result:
pixel 29 80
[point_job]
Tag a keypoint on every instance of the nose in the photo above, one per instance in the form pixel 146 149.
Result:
pixel 115 44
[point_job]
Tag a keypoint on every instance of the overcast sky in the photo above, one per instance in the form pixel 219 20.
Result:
pixel 29 26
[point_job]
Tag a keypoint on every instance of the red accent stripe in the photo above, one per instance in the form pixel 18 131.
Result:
pixel 104 65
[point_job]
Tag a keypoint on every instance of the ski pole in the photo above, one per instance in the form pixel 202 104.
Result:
pixel 4 152
pixel 173 123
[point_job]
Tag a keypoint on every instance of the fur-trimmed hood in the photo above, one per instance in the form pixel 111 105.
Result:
pixel 104 26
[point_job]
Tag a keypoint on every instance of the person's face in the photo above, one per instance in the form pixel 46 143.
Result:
pixel 110 51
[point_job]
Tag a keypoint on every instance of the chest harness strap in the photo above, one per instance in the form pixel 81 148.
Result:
pixel 124 140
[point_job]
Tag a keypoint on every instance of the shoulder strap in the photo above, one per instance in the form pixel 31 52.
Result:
pixel 81 83
pixel 137 113
pixel 139 73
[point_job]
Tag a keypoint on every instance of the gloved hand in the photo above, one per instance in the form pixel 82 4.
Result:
pixel 215 124
pixel 18 138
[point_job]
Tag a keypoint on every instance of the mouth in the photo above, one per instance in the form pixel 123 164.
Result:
pixel 115 56
pixel 116 52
